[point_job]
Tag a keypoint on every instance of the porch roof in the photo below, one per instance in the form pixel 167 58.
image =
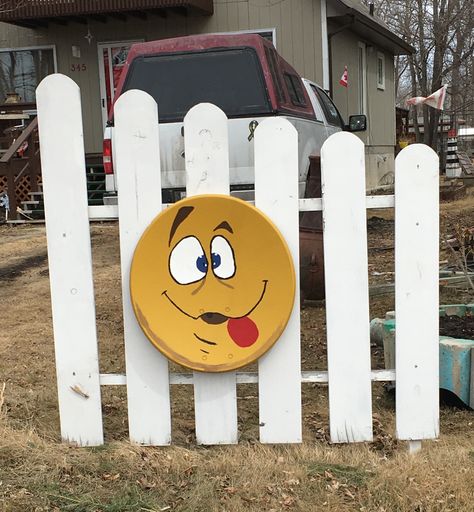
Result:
pixel 363 22
pixel 38 13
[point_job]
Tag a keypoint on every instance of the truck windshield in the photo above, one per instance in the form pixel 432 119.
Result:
pixel 231 79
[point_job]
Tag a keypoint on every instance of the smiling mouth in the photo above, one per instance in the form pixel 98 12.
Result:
pixel 214 318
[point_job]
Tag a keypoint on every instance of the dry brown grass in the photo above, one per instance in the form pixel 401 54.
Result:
pixel 38 473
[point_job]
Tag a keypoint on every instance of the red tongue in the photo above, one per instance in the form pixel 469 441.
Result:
pixel 243 331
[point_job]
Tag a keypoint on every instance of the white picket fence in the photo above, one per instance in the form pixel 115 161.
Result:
pixel 279 377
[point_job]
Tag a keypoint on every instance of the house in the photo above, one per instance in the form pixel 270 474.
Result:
pixel 89 41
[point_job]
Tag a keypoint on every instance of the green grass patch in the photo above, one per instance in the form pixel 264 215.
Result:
pixel 350 475
pixel 129 499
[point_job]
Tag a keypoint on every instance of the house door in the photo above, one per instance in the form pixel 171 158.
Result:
pixel 112 57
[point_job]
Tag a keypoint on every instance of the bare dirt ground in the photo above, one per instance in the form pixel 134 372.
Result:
pixel 38 473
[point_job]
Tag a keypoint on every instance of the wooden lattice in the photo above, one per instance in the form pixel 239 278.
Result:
pixel 23 189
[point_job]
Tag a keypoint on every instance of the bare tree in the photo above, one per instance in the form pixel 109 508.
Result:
pixel 442 31
pixel 12 5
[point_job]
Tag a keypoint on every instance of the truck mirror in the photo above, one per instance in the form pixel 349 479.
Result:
pixel 357 123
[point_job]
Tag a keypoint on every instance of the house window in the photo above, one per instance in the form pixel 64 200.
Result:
pixel 380 71
pixel 362 78
pixel 22 69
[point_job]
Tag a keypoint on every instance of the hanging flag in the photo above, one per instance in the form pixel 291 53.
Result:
pixel 344 78
pixel 435 100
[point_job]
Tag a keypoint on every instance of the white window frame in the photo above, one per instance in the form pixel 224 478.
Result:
pixel 102 88
pixel 380 82
pixel 36 47
pixel 255 31
pixel 362 78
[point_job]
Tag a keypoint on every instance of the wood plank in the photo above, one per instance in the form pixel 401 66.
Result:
pixel 347 307
pixel 221 16
pixel 207 172
pixel 253 15
pixel 70 260
pixel 100 212
pixel 263 16
pixel 417 292
pixel 308 40
pixel 276 194
pixel 137 163
pixel 308 376
pixel 285 39
pixel 243 16
pixel 297 37
pixel 233 16
pixel 305 205
pixel 376 202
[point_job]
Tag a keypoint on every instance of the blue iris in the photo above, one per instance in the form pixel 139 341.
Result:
pixel 216 260
pixel 201 263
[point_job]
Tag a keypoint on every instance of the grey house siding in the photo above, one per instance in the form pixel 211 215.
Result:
pixel 298 39
pixel 380 135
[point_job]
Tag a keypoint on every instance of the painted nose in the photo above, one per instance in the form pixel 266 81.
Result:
pixel 214 318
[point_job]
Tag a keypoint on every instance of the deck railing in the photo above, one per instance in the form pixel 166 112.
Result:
pixel 20 167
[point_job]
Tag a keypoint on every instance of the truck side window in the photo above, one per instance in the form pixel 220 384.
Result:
pixel 330 111
pixel 271 58
pixel 317 111
pixel 295 90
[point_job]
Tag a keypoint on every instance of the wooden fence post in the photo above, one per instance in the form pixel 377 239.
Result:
pixel 347 288
pixel 207 172
pixel 70 261
pixel 276 194
pixel 137 163
pixel 417 293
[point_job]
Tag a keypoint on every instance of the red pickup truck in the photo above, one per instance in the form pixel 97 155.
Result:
pixel 243 75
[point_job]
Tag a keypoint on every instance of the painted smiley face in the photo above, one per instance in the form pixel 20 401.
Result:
pixel 212 283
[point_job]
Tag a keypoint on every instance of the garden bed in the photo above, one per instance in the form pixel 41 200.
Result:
pixel 457 327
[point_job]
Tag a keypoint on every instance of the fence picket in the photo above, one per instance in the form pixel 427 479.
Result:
pixel 207 172
pixel 70 260
pixel 137 163
pixel 347 296
pixel 417 292
pixel 276 194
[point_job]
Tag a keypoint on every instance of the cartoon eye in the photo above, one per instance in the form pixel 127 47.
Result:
pixel 223 263
pixel 188 263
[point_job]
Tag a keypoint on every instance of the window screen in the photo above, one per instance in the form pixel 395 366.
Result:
pixel 231 79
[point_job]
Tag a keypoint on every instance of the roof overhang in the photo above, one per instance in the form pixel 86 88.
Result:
pixel 39 13
pixel 354 17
